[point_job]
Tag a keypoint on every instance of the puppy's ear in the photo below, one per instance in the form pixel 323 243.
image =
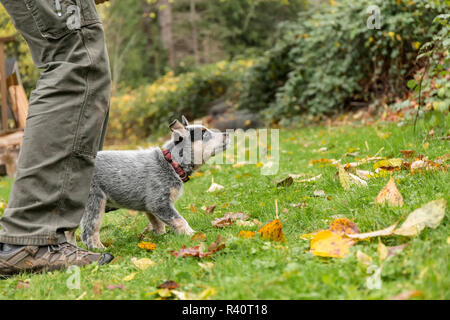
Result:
pixel 184 121
pixel 178 129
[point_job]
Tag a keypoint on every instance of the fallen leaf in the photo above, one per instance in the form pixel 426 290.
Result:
pixel 246 234
pixel 343 226
pixel 429 215
pixel 407 295
pixel 168 285
pixel 193 208
pixel 216 246
pixel 407 153
pixel 147 245
pixel 390 194
pixel 379 233
pixel 395 250
pixel 329 244
pixel 309 236
pixel 197 251
pixel 23 284
pixel 243 223
pixel 319 193
pixel 388 163
pixel 130 276
pixel 210 209
pixel 143 263
pixel 363 259
pixel 315 178
pixel 364 174
pixel 228 219
pixel 199 236
pixel 215 186
pixel 273 231
pixel 115 286
pixel 344 178
pixel 374 281
pixel 286 182
pixel 382 251
pixel 206 266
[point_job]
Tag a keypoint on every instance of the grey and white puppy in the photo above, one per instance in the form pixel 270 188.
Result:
pixel 144 180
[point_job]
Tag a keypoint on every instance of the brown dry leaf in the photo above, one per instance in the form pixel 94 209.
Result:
pixel 147 245
pixel 286 182
pixel 210 209
pixel 390 194
pixel 379 233
pixel 216 246
pixel 407 295
pixel 342 226
pixel 407 153
pixel 228 219
pixel 199 236
pixel 193 208
pixel 273 231
pixel 23 284
pixel 168 285
pixel 195 251
pixel 429 215
pixel 330 244
pixel 246 234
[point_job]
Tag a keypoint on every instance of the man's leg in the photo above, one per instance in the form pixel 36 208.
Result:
pixel 66 117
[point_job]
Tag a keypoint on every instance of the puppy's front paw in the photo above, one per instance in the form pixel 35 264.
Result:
pixel 182 227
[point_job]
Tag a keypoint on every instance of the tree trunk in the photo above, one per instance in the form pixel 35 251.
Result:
pixel 193 18
pixel 165 23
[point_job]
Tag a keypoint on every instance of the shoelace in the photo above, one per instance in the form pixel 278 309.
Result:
pixel 67 249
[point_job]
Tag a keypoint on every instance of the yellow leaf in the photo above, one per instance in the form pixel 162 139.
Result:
pixel 429 215
pixel 246 234
pixel 344 178
pixel 329 244
pixel 143 263
pixel 147 245
pixel 343 226
pixel 130 276
pixel 390 194
pixel 273 231
pixel 382 251
pixel 363 259
pixel 396 162
pixel 199 236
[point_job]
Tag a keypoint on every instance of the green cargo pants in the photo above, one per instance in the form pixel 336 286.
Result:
pixel 66 121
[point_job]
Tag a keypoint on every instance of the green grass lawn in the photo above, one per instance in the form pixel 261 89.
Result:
pixel 258 269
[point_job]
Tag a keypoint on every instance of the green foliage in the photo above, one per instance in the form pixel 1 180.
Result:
pixel 249 24
pixel 329 59
pixel 135 113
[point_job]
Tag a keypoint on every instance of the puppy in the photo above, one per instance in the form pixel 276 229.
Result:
pixel 148 180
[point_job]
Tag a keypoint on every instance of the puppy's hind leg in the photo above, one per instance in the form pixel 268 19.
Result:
pixel 92 220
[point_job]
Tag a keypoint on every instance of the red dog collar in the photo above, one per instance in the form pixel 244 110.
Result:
pixel 175 165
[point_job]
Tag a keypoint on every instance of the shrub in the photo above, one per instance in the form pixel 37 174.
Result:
pixel 329 59
pixel 136 113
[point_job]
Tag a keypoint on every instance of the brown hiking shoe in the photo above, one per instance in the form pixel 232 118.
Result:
pixel 18 259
